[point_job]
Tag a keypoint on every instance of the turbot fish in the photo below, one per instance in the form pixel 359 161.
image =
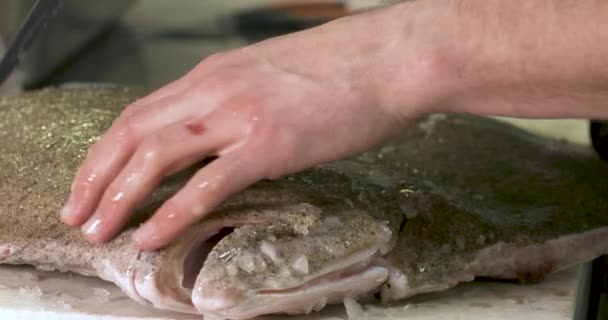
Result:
pixel 447 200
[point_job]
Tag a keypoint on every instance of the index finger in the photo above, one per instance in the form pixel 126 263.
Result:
pixel 112 151
pixel 208 188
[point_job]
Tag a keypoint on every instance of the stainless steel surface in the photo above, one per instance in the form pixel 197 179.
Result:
pixel 11 86
pixel 77 25
pixel 38 18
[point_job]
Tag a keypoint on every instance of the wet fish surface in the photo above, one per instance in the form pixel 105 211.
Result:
pixel 448 200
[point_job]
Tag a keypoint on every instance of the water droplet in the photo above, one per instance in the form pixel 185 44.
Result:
pixel 131 177
pixel 93 227
pixel 91 178
pixel 118 196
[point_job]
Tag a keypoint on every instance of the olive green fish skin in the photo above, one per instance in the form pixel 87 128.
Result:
pixel 43 139
pixel 472 183
pixel 44 136
pixel 467 184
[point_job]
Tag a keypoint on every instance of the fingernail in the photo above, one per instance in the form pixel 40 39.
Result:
pixel 144 234
pixel 91 227
pixel 68 210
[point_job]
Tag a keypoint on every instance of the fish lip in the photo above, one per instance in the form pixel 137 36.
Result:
pixel 217 303
pixel 163 288
pixel 110 272
pixel 266 304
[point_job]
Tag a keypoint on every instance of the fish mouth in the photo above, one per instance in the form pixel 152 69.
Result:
pixel 187 279
pixel 356 276
pixel 169 286
pixel 173 286
pixel 195 259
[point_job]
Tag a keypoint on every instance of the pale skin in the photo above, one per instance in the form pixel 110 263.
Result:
pixel 289 103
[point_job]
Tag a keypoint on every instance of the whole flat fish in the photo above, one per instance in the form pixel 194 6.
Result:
pixel 450 199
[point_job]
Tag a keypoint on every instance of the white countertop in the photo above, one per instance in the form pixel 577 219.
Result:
pixel 28 294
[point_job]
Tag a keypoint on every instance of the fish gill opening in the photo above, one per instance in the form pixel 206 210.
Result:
pixel 193 263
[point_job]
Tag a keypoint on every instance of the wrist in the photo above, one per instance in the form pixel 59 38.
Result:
pixel 418 70
pixel 510 58
pixel 398 57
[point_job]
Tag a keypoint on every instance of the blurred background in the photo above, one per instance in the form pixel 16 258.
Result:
pixel 152 42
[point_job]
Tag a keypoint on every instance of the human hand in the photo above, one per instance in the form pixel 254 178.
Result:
pixel 265 111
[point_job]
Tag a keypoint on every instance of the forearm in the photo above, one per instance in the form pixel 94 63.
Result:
pixel 543 58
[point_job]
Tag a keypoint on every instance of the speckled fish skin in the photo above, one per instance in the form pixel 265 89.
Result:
pixel 482 199
pixel 326 215
pixel 487 199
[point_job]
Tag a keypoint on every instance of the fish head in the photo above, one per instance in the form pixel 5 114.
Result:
pixel 289 257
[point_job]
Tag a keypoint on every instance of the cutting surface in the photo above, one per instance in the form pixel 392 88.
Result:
pixel 29 294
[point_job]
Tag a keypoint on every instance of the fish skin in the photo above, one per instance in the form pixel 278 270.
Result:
pixel 488 199
pixel 44 136
pixel 479 196
pixel 484 198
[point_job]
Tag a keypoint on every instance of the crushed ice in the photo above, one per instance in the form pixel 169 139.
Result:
pixel 101 295
pixel 353 309
pixel 30 293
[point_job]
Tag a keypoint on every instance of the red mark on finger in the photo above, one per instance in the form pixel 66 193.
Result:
pixel 195 128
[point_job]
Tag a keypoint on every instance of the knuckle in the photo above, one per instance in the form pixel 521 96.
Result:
pixel 132 108
pixel 150 150
pixel 126 129
pixel 174 207
pixel 215 58
pixel 224 79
